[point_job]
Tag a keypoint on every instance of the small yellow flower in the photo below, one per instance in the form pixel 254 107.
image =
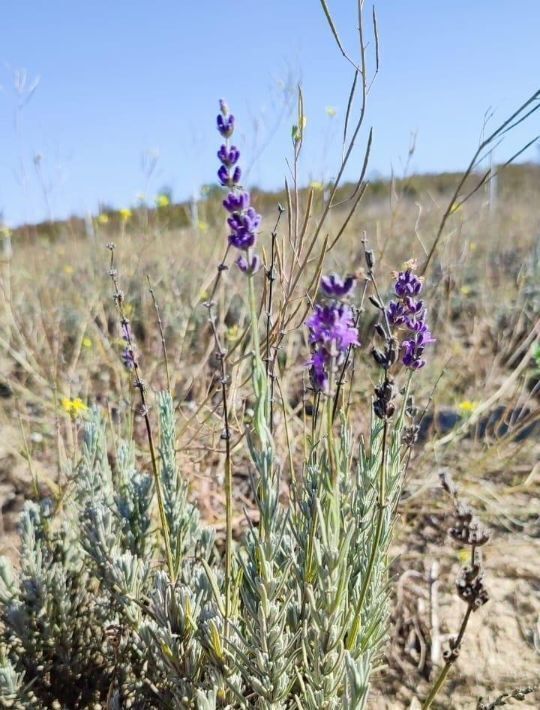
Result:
pixel 103 219
pixel 74 407
pixel 316 186
pixel 203 226
pixel 87 342
pixel 162 201
pixel 233 333
pixel 473 246
pixel 464 555
pixel 465 290
pixel 68 269
pixel 331 111
pixel 467 407
pixel 125 214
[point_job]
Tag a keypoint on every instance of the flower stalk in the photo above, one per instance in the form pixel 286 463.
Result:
pixel 131 362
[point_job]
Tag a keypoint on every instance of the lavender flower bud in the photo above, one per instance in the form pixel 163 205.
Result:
pixel 250 267
pixel 242 239
pixel 236 175
pixel 228 156
pixel 335 287
pixel 236 202
pixel 128 358
pixel 407 284
pixel 225 125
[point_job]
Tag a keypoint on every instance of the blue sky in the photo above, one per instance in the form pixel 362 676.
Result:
pixel 122 79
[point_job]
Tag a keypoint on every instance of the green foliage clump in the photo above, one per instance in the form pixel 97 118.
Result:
pixel 93 617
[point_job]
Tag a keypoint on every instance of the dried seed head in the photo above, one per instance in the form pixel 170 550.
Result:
pixel 470 586
pixel 447 482
pixel 384 406
pixel 380 330
pixel 370 259
pixel 468 530
pixel 410 435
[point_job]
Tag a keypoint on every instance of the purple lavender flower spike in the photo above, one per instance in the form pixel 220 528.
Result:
pixel 410 315
pixel 332 332
pixel 243 220
pixel 249 267
pixel 335 287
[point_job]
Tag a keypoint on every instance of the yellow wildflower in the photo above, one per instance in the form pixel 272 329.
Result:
pixel 203 226
pixel 464 555
pixel 68 269
pixel 74 407
pixel 87 342
pixel 125 214
pixel 103 219
pixel 467 407
pixel 162 201
pixel 465 290
pixel 317 186
pixel 233 333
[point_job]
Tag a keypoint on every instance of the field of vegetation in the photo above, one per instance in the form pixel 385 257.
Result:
pixel 61 354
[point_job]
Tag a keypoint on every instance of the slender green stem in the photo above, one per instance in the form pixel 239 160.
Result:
pixel 229 535
pixel 159 490
pixel 330 431
pixel 255 338
pixel 445 670
pixel 226 435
